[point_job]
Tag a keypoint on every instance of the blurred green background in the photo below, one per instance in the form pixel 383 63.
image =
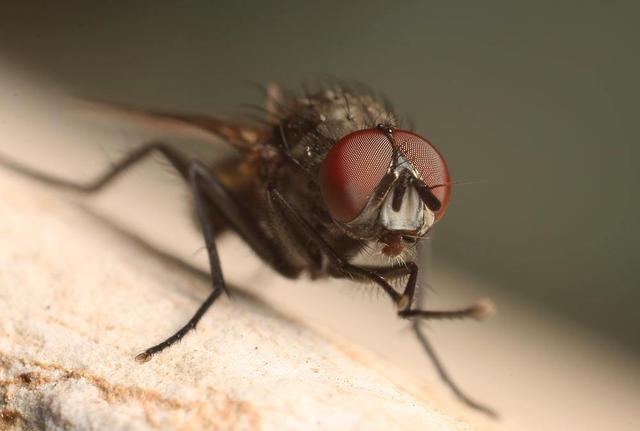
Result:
pixel 535 103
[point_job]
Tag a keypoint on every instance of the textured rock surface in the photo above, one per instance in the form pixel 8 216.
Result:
pixel 78 301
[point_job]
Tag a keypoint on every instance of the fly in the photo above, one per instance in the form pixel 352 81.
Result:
pixel 321 178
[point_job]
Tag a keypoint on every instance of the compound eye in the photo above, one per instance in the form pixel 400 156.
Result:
pixel 429 163
pixel 352 170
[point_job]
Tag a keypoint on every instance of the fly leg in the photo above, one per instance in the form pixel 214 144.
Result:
pixel 216 193
pixel 341 267
pixel 405 300
pixel 195 172
pixel 477 310
pixel 178 161
pixel 444 374
pixel 190 171
pixel 206 190
pixel 404 311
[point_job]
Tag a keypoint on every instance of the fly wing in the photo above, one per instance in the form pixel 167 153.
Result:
pixel 206 129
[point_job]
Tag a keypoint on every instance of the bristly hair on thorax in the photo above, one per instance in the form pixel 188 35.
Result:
pixel 312 121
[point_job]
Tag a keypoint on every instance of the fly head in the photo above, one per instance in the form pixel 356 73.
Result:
pixel 386 185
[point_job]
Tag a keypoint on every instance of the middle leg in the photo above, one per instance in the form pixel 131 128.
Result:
pixel 194 173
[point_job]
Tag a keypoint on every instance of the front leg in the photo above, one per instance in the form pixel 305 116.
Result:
pixel 405 300
pixel 342 268
pixel 336 261
pixel 476 310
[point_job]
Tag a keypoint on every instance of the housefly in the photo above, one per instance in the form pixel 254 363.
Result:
pixel 318 180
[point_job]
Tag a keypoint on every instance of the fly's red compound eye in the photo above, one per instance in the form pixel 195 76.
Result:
pixel 352 170
pixel 429 163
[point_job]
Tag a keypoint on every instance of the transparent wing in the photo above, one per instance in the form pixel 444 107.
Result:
pixel 241 134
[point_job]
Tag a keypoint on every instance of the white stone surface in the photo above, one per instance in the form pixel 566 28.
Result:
pixel 78 301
